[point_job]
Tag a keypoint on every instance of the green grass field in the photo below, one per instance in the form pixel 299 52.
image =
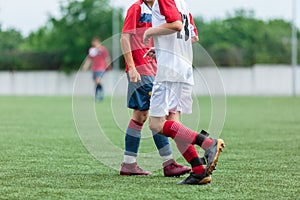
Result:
pixel 42 156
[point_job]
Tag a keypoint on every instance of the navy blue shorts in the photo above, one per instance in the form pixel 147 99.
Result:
pixel 139 94
pixel 98 74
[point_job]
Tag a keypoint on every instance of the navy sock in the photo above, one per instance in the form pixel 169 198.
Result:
pixel 162 144
pixel 98 88
pixel 132 138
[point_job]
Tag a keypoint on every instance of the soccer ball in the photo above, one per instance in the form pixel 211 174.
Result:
pixel 93 52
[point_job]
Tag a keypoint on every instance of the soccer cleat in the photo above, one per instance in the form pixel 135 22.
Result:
pixel 195 179
pixel 173 169
pixel 132 169
pixel 212 155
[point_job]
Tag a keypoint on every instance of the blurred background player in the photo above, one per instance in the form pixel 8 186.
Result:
pixel 140 73
pixel 99 58
pixel 174 32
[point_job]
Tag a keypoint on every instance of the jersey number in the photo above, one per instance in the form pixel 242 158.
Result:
pixel 185 22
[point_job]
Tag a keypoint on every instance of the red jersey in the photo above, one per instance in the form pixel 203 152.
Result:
pixel 137 21
pixel 98 56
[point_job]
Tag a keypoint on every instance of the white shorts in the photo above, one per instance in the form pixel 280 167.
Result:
pixel 170 97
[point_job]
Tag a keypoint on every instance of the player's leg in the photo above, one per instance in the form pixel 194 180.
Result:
pixel 132 143
pixel 142 95
pixel 163 94
pixel 183 135
pixel 170 167
pixel 212 147
pixel 188 151
pixel 98 83
pixel 99 94
pixel 165 100
pixel 135 101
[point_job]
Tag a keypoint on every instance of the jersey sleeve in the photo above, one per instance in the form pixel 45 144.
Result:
pixel 169 9
pixel 131 19
pixel 193 27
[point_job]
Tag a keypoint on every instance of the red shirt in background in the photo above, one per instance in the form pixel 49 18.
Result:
pixel 98 56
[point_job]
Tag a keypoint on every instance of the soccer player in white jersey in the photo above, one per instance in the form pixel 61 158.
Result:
pixel 174 32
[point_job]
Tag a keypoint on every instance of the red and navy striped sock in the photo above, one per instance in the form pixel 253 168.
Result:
pixel 132 138
pixel 180 133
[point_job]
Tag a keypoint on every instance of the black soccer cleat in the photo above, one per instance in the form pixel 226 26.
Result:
pixel 212 155
pixel 195 179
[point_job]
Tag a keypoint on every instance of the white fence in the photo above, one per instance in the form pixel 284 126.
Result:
pixel 259 80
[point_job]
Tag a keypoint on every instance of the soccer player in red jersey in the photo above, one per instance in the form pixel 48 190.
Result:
pixel 99 58
pixel 140 73
pixel 174 32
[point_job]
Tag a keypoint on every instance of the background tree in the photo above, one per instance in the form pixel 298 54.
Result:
pixel 238 40
pixel 243 40
pixel 10 39
pixel 71 34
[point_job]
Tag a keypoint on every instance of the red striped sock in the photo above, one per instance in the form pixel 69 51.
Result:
pixel 179 132
pixel 135 125
pixel 207 143
pixel 200 169
pixel 190 154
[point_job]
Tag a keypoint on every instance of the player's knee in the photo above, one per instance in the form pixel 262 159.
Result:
pixel 140 116
pixel 156 128
pixel 145 116
pixel 156 125
pixel 98 81
pixel 141 119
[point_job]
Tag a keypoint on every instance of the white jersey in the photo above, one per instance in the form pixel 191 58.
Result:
pixel 174 52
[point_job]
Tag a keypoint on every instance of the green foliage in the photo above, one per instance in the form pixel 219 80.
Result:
pixel 73 32
pixel 10 39
pixel 19 60
pixel 12 57
pixel 238 40
pixel 243 40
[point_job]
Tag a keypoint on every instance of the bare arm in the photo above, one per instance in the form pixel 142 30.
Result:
pixel 108 63
pixel 164 29
pixel 87 64
pixel 126 49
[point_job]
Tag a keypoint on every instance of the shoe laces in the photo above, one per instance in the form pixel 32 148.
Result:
pixel 139 169
pixel 174 165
